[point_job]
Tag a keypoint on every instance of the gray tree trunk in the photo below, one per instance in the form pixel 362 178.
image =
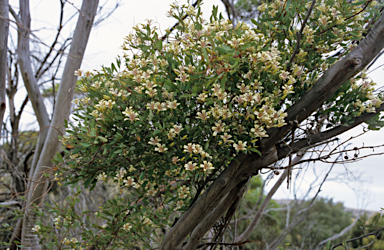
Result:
pixel 37 183
pixel 4 28
pixel 246 165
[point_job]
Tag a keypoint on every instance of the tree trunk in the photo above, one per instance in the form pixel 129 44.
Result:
pixel 245 165
pixel 38 183
pixel 4 28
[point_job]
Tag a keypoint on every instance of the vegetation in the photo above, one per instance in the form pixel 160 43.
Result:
pixel 178 126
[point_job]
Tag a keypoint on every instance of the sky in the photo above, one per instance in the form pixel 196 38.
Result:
pixel 358 185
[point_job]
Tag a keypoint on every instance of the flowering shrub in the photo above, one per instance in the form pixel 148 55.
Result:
pixel 166 119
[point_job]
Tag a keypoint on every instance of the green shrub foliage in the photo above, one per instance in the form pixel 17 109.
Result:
pixel 164 121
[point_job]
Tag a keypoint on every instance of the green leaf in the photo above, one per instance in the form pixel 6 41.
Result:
pixel 142 175
pixel 92 133
pixel 59 158
pixel 359 3
pixel 113 67
pixel 205 55
pixel 85 145
pixel 88 181
pixel 103 139
pixel 266 19
pixel 156 132
pixel 198 26
pixel 144 48
pixel 159 45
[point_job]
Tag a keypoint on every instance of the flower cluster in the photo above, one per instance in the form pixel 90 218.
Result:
pixel 172 116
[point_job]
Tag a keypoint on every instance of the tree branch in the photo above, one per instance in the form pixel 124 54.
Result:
pixel 4 28
pixel 246 165
pixel 213 216
pixel 361 237
pixel 244 236
pixel 300 33
pixel 330 82
pixel 65 94
pixel 25 64
pixel 338 235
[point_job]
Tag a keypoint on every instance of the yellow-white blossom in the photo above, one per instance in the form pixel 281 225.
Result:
pixel 240 146
pixel 190 166
pixel 131 114
pixel 206 166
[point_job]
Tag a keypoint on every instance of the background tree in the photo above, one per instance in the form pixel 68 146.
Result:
pixel 36 67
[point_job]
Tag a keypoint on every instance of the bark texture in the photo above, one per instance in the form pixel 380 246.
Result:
pixel 38 184
pixel 246 165
pixel 4 28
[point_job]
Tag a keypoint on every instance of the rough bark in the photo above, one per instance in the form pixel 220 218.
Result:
pixel 38 184
pixel 246 165
pixel 213 216
pixel 4 28
pixel 331 81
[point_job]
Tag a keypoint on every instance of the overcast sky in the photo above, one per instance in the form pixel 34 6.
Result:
pixel 358 185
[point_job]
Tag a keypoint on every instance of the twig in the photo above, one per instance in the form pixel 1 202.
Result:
pixel 299 34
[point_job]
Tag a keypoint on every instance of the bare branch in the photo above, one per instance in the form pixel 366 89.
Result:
pixel 377 232
pixel 176 24
pixel 213 216
pixel 4 28
pixel 300 33
pixel 26 66
pixel 65 94
pixel 244 236
pixel 338 235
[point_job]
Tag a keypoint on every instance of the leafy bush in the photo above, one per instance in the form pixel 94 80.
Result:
pixel 166 119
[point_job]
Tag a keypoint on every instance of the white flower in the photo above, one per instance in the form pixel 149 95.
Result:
pixel 132 115
pixel 259 131
pixel 36 228
pixel 189 148
pixel 177 129
pixel 226 138
pixel 203 115
pixel 219 127
pixel 129 182
pixel 102 177
pixel 240 146
pixel 161 148
pixel 206 166
pixel 190 166
pixel 78 72
pixel 154 141
pixel 127 226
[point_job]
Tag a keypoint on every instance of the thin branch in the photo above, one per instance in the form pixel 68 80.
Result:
pixel 338 235
pixel 176 24
pixel 38 74
pixel 300 33
pixel 361 237
pixel 297 221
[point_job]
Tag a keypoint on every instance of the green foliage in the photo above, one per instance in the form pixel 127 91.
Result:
pixel 365 226
pixel 269 225
pixel 247 9
pixel 166 119
pixel 323 220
